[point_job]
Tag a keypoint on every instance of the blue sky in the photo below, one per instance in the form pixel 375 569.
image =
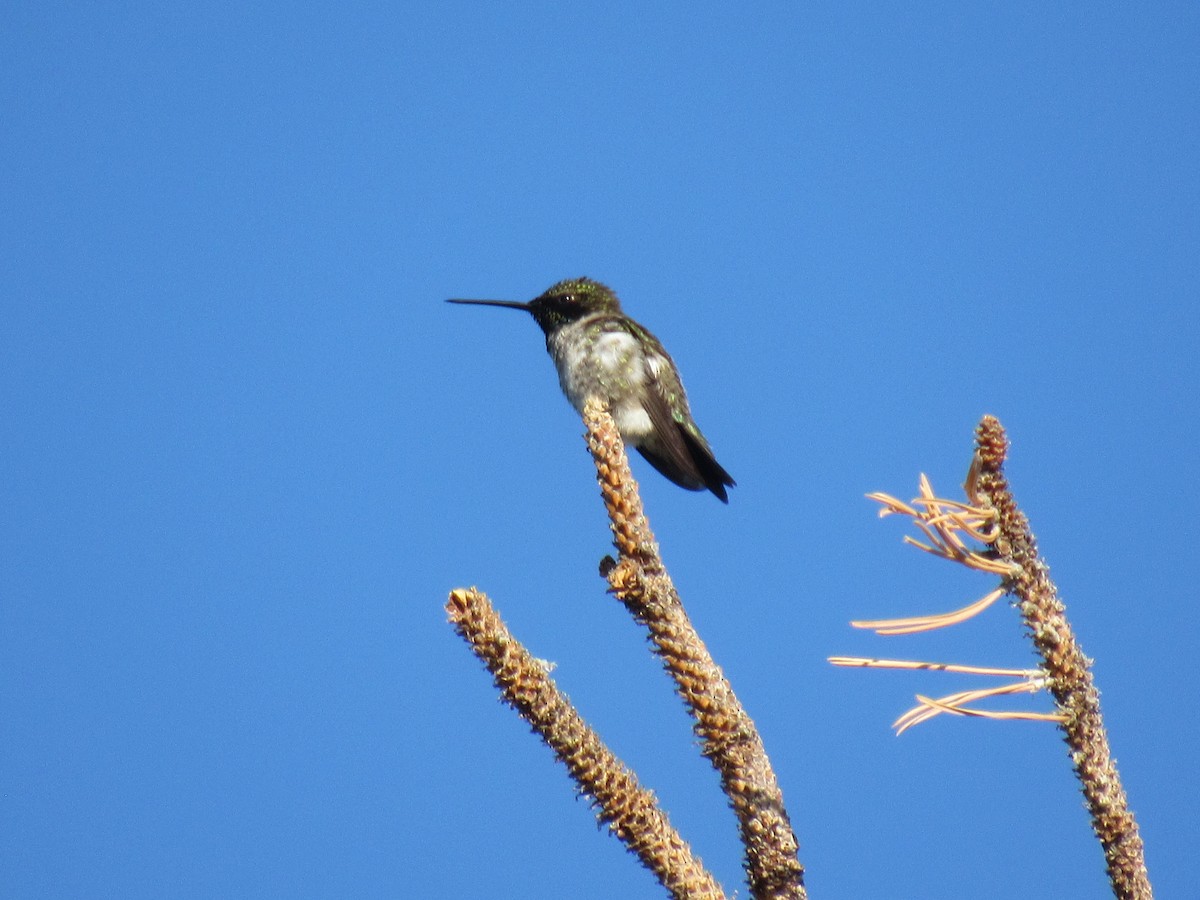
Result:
pixel 249 449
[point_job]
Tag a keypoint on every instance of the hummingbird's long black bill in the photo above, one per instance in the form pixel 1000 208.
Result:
pixel 511 304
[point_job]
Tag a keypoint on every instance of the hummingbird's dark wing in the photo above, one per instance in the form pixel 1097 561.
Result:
pixel 677 451
pixel 715 477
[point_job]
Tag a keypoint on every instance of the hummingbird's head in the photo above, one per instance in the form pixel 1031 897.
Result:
pixel 571 300
pixel 566 302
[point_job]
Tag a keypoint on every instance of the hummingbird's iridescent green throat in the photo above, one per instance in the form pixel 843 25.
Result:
pixel 601 352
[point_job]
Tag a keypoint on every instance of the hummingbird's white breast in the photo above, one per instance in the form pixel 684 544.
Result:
pixel 608 365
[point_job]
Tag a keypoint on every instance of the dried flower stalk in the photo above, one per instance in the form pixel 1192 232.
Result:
pixel 728 735
pixel 631 812
pixel 946 523
pixel 992 517
pixel 1068 670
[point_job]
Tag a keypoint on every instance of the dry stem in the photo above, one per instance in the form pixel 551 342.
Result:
pixel 631 811
pixel 1068 671
pixel 729 737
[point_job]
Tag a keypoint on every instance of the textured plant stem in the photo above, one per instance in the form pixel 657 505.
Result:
pixel 1069 671
pixel 728 735
pixel 631 812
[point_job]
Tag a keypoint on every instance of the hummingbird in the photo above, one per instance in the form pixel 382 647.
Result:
pixel 601 352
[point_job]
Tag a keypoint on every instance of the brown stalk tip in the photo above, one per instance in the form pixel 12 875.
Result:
pixel 992 442
pixel 458 601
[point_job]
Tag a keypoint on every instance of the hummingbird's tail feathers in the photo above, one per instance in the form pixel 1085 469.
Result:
pixel 694 468
pixel 680 452
pixel 682 472
pixel 714 476
pixel 667 447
